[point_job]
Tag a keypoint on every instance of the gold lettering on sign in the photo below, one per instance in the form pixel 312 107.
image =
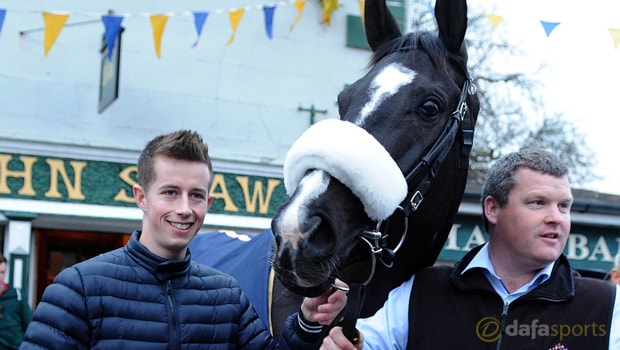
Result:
pixel 125 175
pixel 26 174
pixel 257 195
pixel 74 190
pixel 218 182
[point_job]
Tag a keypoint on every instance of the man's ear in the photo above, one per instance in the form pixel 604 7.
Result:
pixel 209 201
pixel 614 276
pixel 490 209
pixel 139 194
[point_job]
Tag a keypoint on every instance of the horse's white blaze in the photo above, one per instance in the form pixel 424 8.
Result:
pixel 310 187
pixel 385 84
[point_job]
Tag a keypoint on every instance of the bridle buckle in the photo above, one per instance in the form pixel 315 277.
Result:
pixel 416 200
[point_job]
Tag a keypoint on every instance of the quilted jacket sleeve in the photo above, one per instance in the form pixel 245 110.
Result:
pixel 60 319
pixel 252 332
pixel 254 335
pixel 295 338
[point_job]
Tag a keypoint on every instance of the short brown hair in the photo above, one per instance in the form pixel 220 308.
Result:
pixel 181 144
pixel 501 178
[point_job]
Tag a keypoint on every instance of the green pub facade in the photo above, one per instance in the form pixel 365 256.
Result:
pixel 57 211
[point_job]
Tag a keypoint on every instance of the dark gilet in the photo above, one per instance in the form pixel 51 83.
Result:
pixel 448 310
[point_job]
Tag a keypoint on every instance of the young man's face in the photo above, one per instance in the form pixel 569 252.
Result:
pixel 174 205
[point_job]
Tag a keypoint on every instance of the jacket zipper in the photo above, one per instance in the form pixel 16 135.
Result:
pixel 502 322
pixel 172 314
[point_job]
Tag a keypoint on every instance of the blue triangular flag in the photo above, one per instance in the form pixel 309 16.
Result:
pixel 200 17
pixel 112 26
pixel 549 26
pixel 2 14
pixel 269 10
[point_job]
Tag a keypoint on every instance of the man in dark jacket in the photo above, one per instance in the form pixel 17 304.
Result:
pixel 15 312
pixel 517 291
pixel 149 294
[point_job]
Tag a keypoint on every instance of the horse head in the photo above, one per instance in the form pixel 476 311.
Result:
pixel 398 155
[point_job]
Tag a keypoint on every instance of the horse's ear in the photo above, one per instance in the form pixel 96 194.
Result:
pixel 451 18
pixel 379 23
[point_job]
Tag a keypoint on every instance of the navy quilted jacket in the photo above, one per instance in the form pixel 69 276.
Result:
pixel 130 298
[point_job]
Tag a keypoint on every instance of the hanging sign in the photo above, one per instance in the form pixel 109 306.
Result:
pixel 110 69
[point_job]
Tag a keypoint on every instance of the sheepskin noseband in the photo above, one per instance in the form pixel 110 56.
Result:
pixel 354 157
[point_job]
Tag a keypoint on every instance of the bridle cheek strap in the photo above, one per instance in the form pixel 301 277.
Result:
pixel 354 157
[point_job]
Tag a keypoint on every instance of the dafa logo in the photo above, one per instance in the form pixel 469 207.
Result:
pixel 489 330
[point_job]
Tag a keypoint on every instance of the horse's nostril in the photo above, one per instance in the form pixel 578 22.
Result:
pixel 320 242
pixel 285 257
pixel 310 224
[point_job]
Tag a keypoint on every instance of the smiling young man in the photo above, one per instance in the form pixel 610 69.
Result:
pixel 518 291
pixel 150 294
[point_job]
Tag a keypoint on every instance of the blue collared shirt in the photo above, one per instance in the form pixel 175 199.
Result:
pixel 389 327
pixel 483 261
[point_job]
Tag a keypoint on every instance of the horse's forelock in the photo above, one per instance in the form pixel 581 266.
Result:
pixel 426 41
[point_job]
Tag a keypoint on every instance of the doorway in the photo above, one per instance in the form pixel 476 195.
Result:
pixel 57 250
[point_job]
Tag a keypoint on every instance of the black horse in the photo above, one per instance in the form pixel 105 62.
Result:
pixel 382 185
pixel 379 187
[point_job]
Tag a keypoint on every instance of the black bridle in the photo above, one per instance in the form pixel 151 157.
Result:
pixel 461 121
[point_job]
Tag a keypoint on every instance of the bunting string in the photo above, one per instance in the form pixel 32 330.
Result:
pixel 54 22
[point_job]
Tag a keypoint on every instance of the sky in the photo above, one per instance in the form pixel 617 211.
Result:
pixel 582 78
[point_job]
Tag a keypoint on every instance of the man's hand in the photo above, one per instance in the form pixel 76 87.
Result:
pixel 325 308
pixel 336 340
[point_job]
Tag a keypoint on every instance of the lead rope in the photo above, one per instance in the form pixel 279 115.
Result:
pixel 355 298
pixel 357 290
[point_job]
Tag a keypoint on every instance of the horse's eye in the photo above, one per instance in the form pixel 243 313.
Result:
pixel 429 109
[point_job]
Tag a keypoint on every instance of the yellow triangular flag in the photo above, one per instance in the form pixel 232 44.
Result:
pixel 158 22
pixel 235 18
pixel 495 19
pixel 615 36
pixel 329 6
pixel 300 9
pixel 360 3
pixel 53 25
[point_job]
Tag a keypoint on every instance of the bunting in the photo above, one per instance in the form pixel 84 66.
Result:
pixel 495 19
pixel 268 11
pixel 53 26
pixel 300 9
pixel 200 17
pixel 360 4
pixel 112 26
pixel 549 27
pixel 55 22
pixel 615 36
pixel 235 17
pixel 329 6
pixel 158 22
pixel 2 14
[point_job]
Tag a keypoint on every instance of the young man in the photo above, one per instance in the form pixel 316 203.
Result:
pixel 15 312
pixel 515 292
pixel 149 294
